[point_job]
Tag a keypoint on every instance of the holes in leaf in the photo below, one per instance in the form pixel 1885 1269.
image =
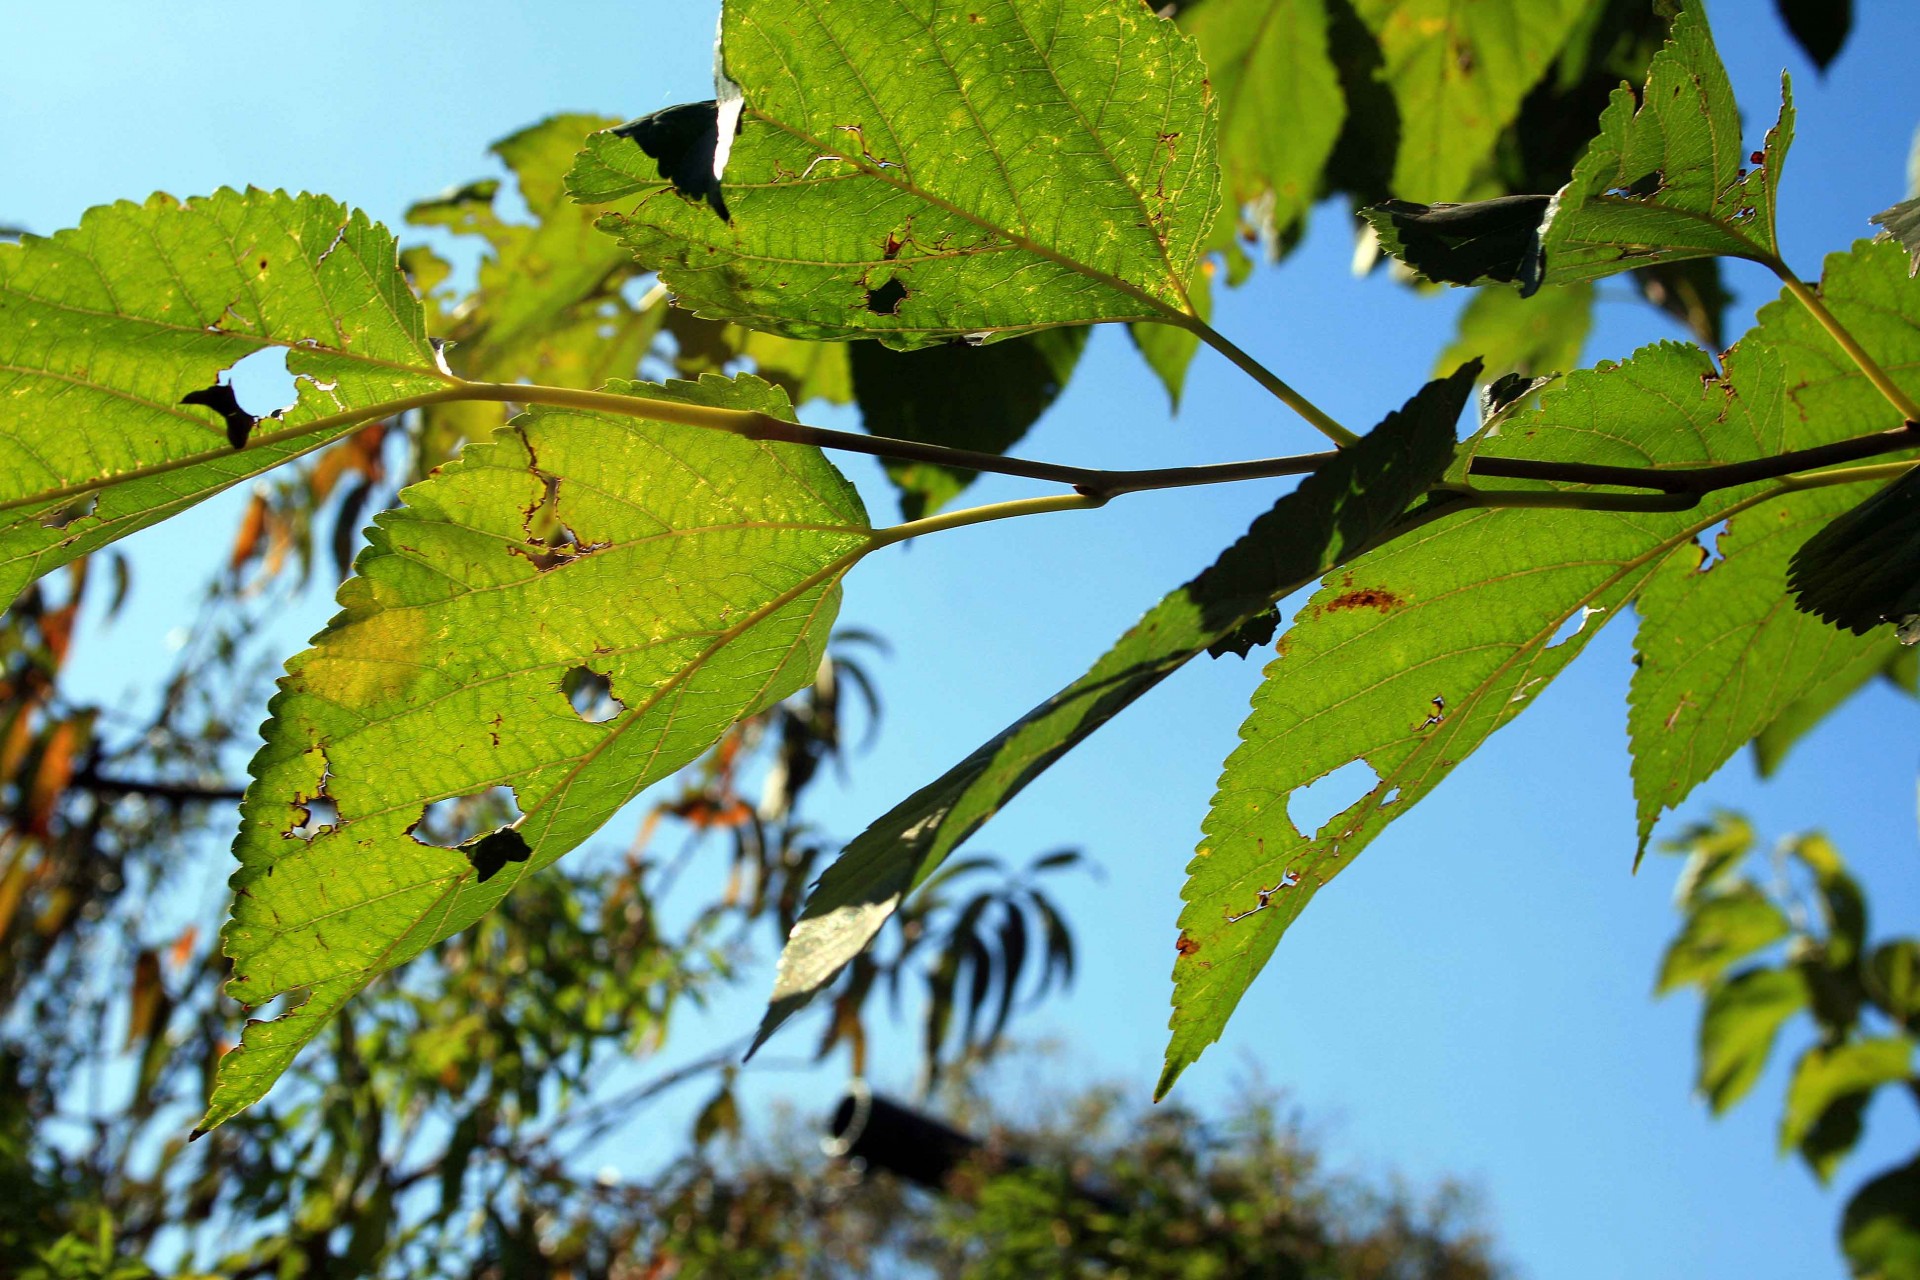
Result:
pixel 1708 541
pixel 886 300
pixel 255 388
pixel 314 816
pixel 1390 797
pixel 67 512
pixel 550 543
pixel 591 695
pixel 456 820
pixel 1572 627
pixel 1312 806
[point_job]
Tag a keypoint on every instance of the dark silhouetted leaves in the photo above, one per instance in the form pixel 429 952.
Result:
pixel 1821 26
pixel 493 851
pixel 683 141
pixel 1863 569
pixel 960 396
pixel 220 398
pixel 1495 239
pixel 1880 1232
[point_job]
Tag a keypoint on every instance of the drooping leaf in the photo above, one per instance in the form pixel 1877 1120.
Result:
pixel 1820 26
pixel 697 572
pixel 1280 102
pixel 109 327
pixel 1721 931
pixel 1862 571
pixel 1880 1231
pixel 1532 337
pixel 1838 1076
pixel 1332 515
pixel 964 397
pixel 1668 176
pixel 1883 656
pixel 1415 653
pixel 1458 73
pixel 917 175
pixel 1169 350
pixel 1738 1026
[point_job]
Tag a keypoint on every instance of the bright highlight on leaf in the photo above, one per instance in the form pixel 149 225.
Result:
pixel 918 175
pixel 115 337
pixel 697 573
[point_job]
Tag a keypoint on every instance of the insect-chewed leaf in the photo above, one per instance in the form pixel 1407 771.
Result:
pixel 1458 73
pixel 947 169
pixel 114 337
pixel 1331 517
pixel 1667 178
pixel 1269 63
pixel 695 572
pixel 1412 655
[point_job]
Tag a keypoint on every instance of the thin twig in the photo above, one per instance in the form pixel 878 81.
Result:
pixel 1702 480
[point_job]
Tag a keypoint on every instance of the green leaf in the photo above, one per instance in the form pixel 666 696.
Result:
pixel 1331 516
pixel 114 323
pixel 1667 178
pixel 1863 569
pixel 1880 1231
pixel 1894 978
pixel 1280 102
pixel 1458 73
pixel 1169 350
pixel 1532 336
pixel 1881 657
pixel 1723 653
pixel 1837 1076
pixel 1842 905
pixel 1738 1026
pixel 1416 652
pixel 1720 932
pixel 696 571
pixel 917 175
pixel 963 397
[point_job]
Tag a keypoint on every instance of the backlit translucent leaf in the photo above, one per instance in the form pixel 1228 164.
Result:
pixel 1280 102
pixel 1834 1076
pixel 1880 1231
pixel 1884 657
pixel 696 571
pixel 924 170
pixel 963 397
pixel 1532 336
pixel 1333 514
pixel 105 328
pixel 1412 655
pixel 1738 1026
pixel 1720 931
pixel 1669 176
pixel 1458 73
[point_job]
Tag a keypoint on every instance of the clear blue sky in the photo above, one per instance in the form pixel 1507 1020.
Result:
pixel 1473 996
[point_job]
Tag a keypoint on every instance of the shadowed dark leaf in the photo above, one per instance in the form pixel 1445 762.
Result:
pixel 1820 26
pixel 1863 569
pixel 683 142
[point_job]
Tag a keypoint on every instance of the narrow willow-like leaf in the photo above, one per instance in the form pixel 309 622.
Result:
pixel 1740 1021
pixel 918 172
pixel 1280 101
pixel 981 398
pixel 1332 515
pixel 1458 73
pixel 695 571
pixel 1532 336
pixel 1411 656
pixel 107 327
pixel 1668 177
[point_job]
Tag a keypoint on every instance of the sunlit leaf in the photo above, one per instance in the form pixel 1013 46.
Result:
pixel 918 174
pixel 1458 73
pixel 1830 1076
pixel 696 571
pixel 1280 102
pixel 1882 657
pixel 1720 931
pixel 1415 653
pixel 1329 518
pixel 1738 1026
pixel 110 326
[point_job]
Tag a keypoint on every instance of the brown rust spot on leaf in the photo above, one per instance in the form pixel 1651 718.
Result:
pixel 1365 598
pixel 1186 946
